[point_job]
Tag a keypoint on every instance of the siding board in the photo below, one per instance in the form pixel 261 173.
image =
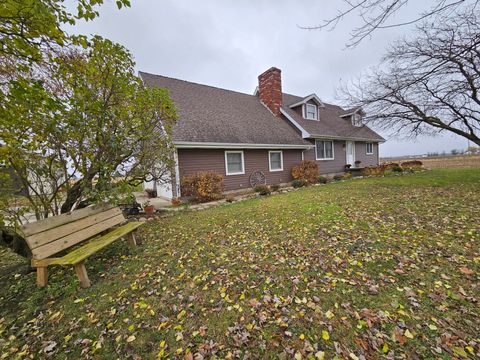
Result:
pixel 330 166
pixel 361 154
pixel 192 161
pixel 337 165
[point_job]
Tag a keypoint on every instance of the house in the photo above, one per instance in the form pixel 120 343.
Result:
pixel 260 137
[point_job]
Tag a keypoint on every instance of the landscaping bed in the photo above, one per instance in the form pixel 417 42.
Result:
pixel 376 267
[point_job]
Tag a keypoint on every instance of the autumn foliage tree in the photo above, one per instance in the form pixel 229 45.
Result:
pixel 28 28
pixel 82 128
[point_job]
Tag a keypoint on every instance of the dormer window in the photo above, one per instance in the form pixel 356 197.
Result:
pixel 311 112
pixel 357 119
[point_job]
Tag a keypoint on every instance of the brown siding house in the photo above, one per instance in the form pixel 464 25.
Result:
pixel 240 136
pixel 196 160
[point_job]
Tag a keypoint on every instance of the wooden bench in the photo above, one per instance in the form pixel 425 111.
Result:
pixel 97 226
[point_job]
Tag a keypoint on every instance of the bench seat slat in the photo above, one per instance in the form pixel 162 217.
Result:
pixel 65 242
pixel 96 244
pixel 48 236
pixel 54 221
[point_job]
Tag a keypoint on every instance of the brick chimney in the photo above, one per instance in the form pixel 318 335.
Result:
pixel 270 89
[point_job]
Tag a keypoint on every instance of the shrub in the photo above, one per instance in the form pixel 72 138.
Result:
pixel 412 164
pixel 262 189
pixel 347 176
pixel 397 169
pixel 307 170
pixel 203 186
pixel 367 171
pixel 187 186
pixel 374 170
pixel 298 183
pixel 230 198
pixel 338 177
pixel 389 166
pixel 322 180
pixel 151 193
pixel 274 187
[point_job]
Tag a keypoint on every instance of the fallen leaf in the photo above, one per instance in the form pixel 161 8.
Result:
pixel 131 338
pixel 466 271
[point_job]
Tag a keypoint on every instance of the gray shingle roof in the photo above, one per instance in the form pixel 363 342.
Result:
pixel 210 114
pixel 330 124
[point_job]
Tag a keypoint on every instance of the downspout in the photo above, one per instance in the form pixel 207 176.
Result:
pixel 309 148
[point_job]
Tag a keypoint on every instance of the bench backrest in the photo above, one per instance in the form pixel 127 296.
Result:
pixel 52 235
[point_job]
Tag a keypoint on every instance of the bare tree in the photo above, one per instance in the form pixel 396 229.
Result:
pixel 428 84
pixel 377 14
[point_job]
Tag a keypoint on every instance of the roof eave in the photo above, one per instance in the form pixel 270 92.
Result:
pixel 353 112
pixel 350 138
pixel 306 99
pixel 223 145
pixel 305 133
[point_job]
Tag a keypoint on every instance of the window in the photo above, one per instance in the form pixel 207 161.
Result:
pixel 234 164
pixel 369 148
pixel 311 112
pixel 275 160
pixel 357 120
pixel 324 149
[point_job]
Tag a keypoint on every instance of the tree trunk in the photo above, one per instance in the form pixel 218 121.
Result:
pixel 75 193
pixel 15 242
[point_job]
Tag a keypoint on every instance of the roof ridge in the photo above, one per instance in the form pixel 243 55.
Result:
pixel 195 83
pixel 229 90
pixel 325 103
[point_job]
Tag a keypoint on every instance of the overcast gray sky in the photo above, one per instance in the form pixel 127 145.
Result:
pixel 228 43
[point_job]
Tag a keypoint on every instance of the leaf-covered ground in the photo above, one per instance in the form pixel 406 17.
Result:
pixel 361 269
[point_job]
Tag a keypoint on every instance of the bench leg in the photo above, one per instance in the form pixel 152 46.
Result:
pixel 131 239
pixel 82 274
pixel 42 276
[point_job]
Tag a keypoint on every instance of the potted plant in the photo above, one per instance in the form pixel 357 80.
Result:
pixel 176 202
pixel 357 163
pixel 148 208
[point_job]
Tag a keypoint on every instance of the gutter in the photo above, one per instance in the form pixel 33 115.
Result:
pixel 333 137
pixel 215 145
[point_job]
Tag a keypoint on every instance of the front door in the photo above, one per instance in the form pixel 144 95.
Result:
pixel 350 150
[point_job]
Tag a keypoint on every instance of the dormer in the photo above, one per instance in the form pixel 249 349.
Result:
pixel 355 116
pixel 310 107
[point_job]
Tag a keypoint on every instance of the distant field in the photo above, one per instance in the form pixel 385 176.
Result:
pixel 446 162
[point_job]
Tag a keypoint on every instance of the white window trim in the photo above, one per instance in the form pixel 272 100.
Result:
pixel 270 162
pixel 366 148
pixel 305 113
pixel 354 120
pixel 226 162
pixel 333 151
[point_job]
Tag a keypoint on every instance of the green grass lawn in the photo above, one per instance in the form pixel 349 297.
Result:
pixel 386 267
